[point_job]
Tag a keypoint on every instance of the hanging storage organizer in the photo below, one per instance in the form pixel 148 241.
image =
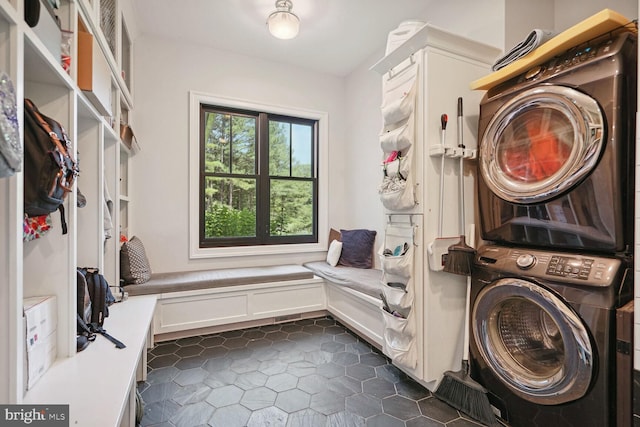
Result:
pixel 397 191
pixel 396 259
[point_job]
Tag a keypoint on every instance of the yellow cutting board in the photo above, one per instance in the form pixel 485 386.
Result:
pixel 594 26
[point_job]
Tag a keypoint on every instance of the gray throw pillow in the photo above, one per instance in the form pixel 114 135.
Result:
pixel 134 264
pixel 357 248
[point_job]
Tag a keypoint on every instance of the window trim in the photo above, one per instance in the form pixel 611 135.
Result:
pixel 197 98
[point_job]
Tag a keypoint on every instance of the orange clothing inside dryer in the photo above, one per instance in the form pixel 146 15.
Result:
pixel 546 153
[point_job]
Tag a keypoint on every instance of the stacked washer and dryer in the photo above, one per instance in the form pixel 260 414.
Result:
pixel 556 205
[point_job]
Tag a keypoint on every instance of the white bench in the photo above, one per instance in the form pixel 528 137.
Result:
pixel 198 302
pixel 208 301
pixel 353 297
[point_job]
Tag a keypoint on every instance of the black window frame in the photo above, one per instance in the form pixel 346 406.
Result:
pixel 262 176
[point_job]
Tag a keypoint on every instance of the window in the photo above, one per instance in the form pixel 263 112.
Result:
pixel 257 178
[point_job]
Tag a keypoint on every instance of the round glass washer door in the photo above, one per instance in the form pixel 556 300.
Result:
pixel 532 341
pixel 540 143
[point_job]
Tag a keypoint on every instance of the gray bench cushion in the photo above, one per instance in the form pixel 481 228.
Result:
pixel 365 280
pixel 204 279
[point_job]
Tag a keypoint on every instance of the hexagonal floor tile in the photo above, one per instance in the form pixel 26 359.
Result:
pixel 378 387
pixel 258 398
pixel 282 382
pixel 346 359
pixel 164 348
pixel 293 400
pixel 192 415
pixel 161 391
pixel 190 350
pixel 225 396
pixel 313 383
pixel 437 410
pixel 330 370
pixel 400 407
pixel 272 367
pixel 361 372
pixel 384 420
pixel 412 389
pixel 221 378
pixel 191 376
pixel 345 418
pixel 230 416
pixel 253 334
pixel 272 417
pixel 187 363
pixel 301 368
pixel 162 375
pixel 212 341
pixel 364 405
pixel 251 380
pixel 373 359
pixel 307 418
pixel 327 402
pixel 191 394
pixel 183 342
pixel 163 361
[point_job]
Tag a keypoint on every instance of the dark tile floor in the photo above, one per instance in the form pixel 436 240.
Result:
pixel 306 373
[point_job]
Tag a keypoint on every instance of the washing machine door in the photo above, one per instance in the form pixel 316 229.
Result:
pixel 532 341
pixel 540 143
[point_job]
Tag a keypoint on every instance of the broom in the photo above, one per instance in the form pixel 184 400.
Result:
pixel 460 255
pixel 459 390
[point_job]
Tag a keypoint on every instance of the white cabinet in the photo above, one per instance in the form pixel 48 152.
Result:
pixel 447 63
pixel 47 266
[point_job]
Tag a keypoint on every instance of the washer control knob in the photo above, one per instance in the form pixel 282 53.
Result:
pixel 525 261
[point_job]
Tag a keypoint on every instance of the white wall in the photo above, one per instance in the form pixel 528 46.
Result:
pixel 567 14
pixel 364 96
pixel 524 15
pixel 165 72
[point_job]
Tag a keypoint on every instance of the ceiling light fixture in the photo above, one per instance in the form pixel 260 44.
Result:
pixel 283 23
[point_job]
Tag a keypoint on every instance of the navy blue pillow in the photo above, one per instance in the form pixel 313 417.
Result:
pixel 357 248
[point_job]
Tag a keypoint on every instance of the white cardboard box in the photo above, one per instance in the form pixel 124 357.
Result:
pixel 39 358
pixel 40 320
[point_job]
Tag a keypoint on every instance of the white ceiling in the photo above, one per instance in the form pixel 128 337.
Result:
pixel 335 35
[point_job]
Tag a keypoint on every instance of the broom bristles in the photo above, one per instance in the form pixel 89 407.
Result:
pixel 460 258
pixel 460 391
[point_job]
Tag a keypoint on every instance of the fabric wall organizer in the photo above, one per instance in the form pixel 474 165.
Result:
pixel 396 259
pixel 397 137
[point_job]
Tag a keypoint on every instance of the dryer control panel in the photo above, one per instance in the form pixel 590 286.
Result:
pixel 586 52
pixel 559 267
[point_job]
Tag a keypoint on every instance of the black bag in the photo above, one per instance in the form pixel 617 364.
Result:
pixel 93 284
pixel 84 300
pixel 32 12
pixel 50 170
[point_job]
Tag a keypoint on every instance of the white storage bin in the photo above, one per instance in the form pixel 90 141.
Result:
pixel 401 34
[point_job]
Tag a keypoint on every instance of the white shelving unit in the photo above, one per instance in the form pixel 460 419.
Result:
pixel 47 266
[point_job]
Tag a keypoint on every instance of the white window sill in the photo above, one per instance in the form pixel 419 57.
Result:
pixel 236 251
